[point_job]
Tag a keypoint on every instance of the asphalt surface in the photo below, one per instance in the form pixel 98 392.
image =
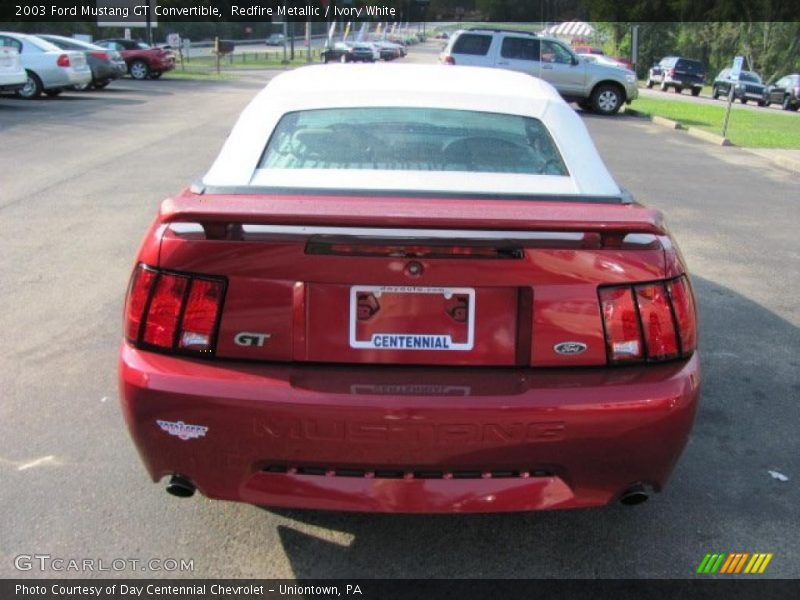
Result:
pixel 82 176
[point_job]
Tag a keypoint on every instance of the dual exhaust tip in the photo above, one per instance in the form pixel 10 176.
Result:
pixel 181 487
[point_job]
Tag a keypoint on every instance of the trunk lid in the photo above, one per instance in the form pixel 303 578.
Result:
pixel 404 280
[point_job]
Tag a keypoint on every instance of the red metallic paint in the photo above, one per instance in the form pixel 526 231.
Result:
pixel 595 431
pixel 584 431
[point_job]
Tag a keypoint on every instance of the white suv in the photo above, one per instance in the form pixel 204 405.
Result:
pixel 593 86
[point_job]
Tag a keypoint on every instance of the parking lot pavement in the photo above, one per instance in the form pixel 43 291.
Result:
pixel 84 175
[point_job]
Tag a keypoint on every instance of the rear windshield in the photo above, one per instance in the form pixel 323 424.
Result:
pixel 691 66
pixel 422 139
pixel 471 43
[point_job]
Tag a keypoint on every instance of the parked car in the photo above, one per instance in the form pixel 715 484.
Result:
pixel 48 68
pixel 786 92
pixel 625 62
pixel 350 52
pixel 275 39
pixel 106 65
pixel 677 73
pixel 602 59
pixel 407 288
pixel 748 87
pixel 387 50
pixel 143 61
pixel 588 50
pixel 597 87
pixel 12 76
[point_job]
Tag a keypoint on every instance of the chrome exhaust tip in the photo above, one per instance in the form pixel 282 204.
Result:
pixel 636 494
pixel 180 487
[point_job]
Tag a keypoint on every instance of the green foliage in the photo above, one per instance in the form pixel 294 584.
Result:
pixel 763 128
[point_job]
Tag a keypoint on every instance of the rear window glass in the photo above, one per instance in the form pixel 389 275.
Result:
pixel 691 66
pixel 422 139
pixel 470 43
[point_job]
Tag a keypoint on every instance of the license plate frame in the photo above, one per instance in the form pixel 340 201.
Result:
pixel 435 341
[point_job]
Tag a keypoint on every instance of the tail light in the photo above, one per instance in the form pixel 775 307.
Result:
pixel 651 321
pixel 174 312
pixel 100 55
pixel 449 60
pixel 63 61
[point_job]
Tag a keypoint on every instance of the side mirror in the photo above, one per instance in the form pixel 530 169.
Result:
pixel 575 61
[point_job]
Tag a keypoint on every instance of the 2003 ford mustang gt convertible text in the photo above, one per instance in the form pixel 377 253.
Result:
pixel 411 289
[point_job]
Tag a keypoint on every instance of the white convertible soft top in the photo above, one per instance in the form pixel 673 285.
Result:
pixel 427 86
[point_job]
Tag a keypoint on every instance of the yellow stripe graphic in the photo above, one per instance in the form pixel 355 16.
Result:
pixel 753 564
pixel 765 563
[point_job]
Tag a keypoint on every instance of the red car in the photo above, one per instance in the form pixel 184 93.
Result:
pixel 394 291
pixel 143 61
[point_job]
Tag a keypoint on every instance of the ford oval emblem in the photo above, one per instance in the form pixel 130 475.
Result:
pixel 569 348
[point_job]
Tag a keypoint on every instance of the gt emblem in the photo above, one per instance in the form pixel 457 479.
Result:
pixel 569 348
pixel 248 338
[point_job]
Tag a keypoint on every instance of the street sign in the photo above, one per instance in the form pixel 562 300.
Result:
pixel 736 71
pixel 738 63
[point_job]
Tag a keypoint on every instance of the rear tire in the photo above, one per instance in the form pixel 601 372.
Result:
pixel 762 102
pixel 139 70
pixel 607 99
pixel 650 84
pixel 715 93
pixel 678 89
pixel 696 92
pixel 787 103
pixel 33 87
pixel 743 100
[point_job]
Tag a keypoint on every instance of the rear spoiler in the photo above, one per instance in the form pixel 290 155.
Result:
pixel 429 211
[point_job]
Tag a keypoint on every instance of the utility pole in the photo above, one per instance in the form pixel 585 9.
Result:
pixel 149 25
pixel 308 41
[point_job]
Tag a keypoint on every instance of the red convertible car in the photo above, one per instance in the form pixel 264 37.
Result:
pixel 409 289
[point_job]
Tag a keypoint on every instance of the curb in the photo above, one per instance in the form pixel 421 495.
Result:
pixel 700 134
pixel 787 162
pixel 709 137
pixel 669 123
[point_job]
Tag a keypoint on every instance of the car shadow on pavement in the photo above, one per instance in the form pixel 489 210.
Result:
pixel 721 496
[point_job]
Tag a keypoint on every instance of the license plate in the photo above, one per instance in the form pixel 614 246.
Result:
pixel 412 318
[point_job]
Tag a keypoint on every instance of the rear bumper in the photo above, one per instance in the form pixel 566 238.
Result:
pixel 162 64
pixel 684 83
pixel 410 439
pixel 7 84
pixel 108 71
